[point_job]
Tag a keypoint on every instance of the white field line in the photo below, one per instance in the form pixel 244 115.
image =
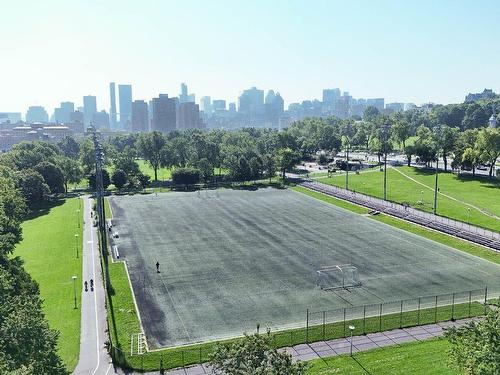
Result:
pixel 448 196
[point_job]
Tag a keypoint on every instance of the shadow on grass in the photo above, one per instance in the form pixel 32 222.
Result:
pixel 360 365
pixel 44 208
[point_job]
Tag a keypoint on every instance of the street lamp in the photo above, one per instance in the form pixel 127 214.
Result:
pixel 438 141
pixel 422 197
pixel 385 130
pixel 74 288
pixel 468 215
pixel 347 164
pixel 78 217
pixel 76 245
pixel 351 328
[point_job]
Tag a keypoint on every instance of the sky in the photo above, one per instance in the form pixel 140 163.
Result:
pixel 405 51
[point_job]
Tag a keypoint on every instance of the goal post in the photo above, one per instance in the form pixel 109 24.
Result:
pixel 137 344
pixel 341 276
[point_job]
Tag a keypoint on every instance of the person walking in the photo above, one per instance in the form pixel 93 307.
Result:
pixel 157 267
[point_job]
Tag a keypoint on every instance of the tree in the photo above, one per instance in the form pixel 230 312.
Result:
pixel 470 159
pixel 269 164
pixel 72 173
pixel 401 130
pixel 370 113
pixel 206 169
pixel 52 175
pixel 409 151
pixel 150 147
pixel 125 160
pixel 488 143
pixel 475 348
pixel 255 167
pixel 69 147
pixel 447 141
pixel 119 178
pixel 186 176
pixel 143 180
pixel 32 187
pixel 286 160
pixel 106 181
pixel 253 355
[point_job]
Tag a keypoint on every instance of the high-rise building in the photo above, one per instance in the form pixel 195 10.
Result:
pixel 189 116
pixel 140 116
pixel 232 107
pixel 377 103
pixel 270 97
pixel 77 116
pixel 10 117
pixel 62 115
pixel 164 114
pixel 330 96
pixel 37 114
pixel 395 107
pixel 219 105
pixel 206 105
pixel 251 101
pixel 274 107
pixel 183 96
pixel 101 120
pixel 125 100
pixel 112 108
pixel 89 108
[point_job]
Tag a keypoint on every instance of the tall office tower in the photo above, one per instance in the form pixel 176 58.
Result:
pixel 140 116
pixel 164 114
pixel 112 108
pixel 251 101
pixel 89 108
pixel 183 96
pixel 270 97
pixel 189 116
pixel 206 105
pixel 62 115
pixel 330 96
pixel 125 99
pixel 232 107
pixel 219 105
pixel 37 114
pixel 377 103
pixel 101 120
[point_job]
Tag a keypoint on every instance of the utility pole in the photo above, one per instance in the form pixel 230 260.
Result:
pixel 99 161
pixel 347 164
pixel 385 130
pixel 438 141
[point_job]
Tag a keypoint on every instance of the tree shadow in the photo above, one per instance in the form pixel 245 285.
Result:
pixel 44 208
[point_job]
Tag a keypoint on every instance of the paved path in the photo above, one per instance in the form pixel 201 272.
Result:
pixel 331 348
pixel 94 359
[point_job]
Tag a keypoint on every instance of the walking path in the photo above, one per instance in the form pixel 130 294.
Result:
pixel 331 348
pixel 94 358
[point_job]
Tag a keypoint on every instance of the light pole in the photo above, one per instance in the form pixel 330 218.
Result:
pixel 468 215
pixel 351 328
pixel 385 130
pixel 422 197
pixel 76 245
pixel 438 140
pixel 74 288
pixel 347 164
pixel 78 217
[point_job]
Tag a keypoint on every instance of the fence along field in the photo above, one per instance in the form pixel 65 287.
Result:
pixel 242 258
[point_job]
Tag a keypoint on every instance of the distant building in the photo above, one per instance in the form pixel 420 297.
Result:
pixel 140 116
pixel 62 115
pixel 164 114
pixel 409 106
pixel 274 108
pixel 377 103
pixel 189 116
pixel 125 99
pixel 395 107
pixel 232 107
pixel 112 108
pixel 37 114
pixel 486 94
pixel 330 98
pixel 101 120
pixel 89 108
pixel 77 116
pixel 492 122
pixel 206 105
pixel 184 97
pixel 219 105
pixel 251 101
pixel 10 117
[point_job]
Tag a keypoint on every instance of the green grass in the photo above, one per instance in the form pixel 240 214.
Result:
pixel 163 173
pixel 444 239
pixel 419 358
pixel 479 192
pixel 49 252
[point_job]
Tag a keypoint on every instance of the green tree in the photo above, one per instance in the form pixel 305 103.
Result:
pixel 71 170
pixel 119 178
pixel 449 138
pixel 400 130
pixel 69 147
pixel 286 160
pixel 106 181
pixel 52 175
pixel 475 348
pixel 186 176
pixel 370 113
pixel 150 146
pixel 253 355
pixel 206 169
pixel 488 143
pixel 32 187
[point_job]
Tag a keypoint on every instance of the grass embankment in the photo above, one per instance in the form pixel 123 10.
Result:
pixel 48 249
pixel 478 192
pixel 442 238
pixel 418 358
pixel 123 322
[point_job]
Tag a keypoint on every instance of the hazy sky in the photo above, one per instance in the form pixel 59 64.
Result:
pixel 418 51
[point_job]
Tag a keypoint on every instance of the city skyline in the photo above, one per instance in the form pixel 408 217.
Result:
pixel 384 49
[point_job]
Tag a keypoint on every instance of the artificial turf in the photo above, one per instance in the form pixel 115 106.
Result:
pixel 480 192
pixel 48 249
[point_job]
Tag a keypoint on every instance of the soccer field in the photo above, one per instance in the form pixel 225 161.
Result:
pixel 230 259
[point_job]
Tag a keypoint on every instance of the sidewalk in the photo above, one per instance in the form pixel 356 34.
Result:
pixel 332 348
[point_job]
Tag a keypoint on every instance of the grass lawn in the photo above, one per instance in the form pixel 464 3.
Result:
pixel 420 358
pixel 479 192
pixel 163 173
pixel 49 252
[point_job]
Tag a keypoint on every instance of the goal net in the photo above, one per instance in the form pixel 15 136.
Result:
pixel 342 276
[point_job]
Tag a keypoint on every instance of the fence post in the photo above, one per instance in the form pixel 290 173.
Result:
pixel 344 321
pixel 485 299
pixel 453 306
pixel 418 313
pixel 307 326
pixel 380 319
pixel 436 311
pixel 324 321
pixel 364 319
pixel 401 316
pixel 470 299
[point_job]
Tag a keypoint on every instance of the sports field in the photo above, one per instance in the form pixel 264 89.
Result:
pixel 231 259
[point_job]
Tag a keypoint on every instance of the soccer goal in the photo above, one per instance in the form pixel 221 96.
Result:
pixel 138 344
pixel 342 276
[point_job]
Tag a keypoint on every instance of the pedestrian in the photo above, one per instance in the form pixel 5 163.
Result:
pixel 91 285
pixel 86 285
pixel 157 267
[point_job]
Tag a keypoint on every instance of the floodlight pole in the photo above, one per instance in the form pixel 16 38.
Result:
pixel 385 130
pixel 347 165
pixel 351 328
pixel 76 245
pixel 74 288
pixel 438 135
pixel 468 215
